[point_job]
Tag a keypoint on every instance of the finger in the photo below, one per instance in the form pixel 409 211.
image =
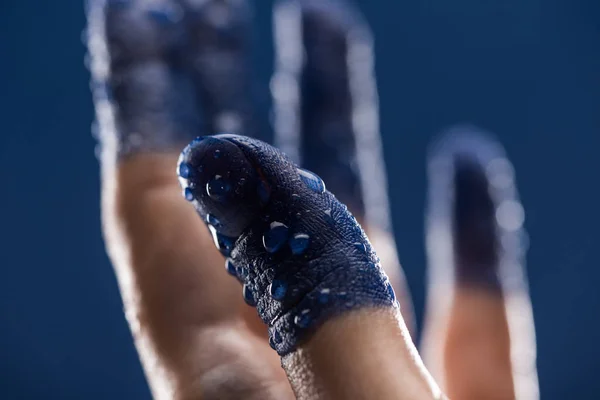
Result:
pixel 309 270
pixel 178 297
pixel 326 114
pixel 480 319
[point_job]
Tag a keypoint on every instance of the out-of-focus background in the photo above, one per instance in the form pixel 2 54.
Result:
pixel 527 70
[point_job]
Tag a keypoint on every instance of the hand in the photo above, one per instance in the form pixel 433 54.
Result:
pixel 165 72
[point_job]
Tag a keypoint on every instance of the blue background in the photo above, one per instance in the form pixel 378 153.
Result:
pixel 527 70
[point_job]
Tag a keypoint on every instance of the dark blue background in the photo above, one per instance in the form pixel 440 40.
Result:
pixel 525 69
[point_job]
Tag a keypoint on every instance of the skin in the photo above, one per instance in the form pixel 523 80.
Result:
pixel 197 339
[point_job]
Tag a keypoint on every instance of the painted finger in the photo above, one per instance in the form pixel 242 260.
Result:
pixel 479 320
pixel 306 265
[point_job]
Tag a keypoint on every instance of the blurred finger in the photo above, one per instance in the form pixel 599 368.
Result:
pixel 479 314
pixel 308 268
pixel 326 114
pixel 220 64
pixel 178 297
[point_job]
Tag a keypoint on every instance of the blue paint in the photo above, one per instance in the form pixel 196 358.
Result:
pixel 188 194
pixel 264 193
pixel 118 3
pixel 391 292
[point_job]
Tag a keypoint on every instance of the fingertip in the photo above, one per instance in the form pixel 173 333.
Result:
pixel 224 186
pixel 471 187
pixel 300 254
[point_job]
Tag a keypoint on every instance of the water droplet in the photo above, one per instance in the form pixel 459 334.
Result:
pixel 360 247
pixel 230 267
pixel 275 237
pixel 324 295
pixel 188 194
pixel 277 290
pixel 311 180
pixel 217 153
pixel 223 243
pixel 277 337
pixel 248 296
pixel 391 292
pixel 272 343
pixel 218 188
pixel 299 243
pixel 184 170
pixel 212 220
pixel 197 139
pixel 303 320
pixel 264 192
pixel 328 216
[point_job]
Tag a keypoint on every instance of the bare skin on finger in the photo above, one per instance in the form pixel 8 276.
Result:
pixel 348 359
pixel 184 309
pixel 477 348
